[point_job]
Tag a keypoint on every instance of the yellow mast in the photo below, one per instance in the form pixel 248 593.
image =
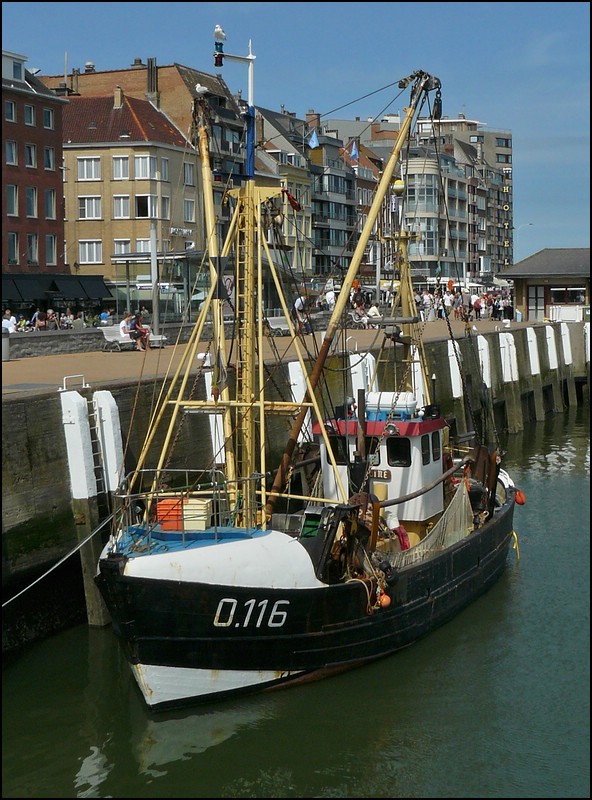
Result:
pixel 422 83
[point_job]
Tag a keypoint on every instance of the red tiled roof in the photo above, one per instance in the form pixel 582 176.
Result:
pixel 89 120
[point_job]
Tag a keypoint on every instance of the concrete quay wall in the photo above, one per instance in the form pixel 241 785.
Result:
pixel 528 371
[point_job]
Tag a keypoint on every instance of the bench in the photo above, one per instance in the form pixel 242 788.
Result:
pixel 115 341
pixel 356 322
pixel 277 326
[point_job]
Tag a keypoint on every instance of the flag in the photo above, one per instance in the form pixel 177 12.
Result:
pixel 292 200
pixel 354 151
pixel 313 141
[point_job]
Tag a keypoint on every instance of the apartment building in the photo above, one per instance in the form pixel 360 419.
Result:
pixel 458 197
pixel 131 185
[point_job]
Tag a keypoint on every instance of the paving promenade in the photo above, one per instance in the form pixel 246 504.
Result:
pixel 103 370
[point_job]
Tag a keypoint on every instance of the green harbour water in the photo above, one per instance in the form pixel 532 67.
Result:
pixel 494 704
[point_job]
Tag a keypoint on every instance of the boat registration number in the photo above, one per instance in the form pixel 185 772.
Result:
pixel 250 613
pixel 381 474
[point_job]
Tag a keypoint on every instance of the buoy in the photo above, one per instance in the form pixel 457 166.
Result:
pixel 384 601
pixel 520 497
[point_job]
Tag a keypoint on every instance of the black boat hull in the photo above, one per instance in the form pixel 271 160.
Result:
pixel 279 635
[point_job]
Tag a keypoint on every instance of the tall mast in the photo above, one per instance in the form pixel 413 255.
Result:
pixel 422 83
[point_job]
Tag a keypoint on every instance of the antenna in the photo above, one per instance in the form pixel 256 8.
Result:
pixel 65 67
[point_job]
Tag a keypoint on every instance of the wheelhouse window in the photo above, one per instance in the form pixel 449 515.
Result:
pixel 338 446
pixel 436 446
pixel 425 449
pixel 398 451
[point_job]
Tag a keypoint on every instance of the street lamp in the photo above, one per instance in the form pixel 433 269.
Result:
pixel 524 225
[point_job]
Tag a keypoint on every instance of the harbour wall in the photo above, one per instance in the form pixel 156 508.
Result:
pixel 520 374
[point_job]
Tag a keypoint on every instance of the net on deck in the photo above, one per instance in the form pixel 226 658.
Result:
pixel 454 525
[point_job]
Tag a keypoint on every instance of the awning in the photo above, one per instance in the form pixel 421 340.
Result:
pixel 9 291
pixel 67 286
pixel 42 287
pixel 500 281
pixel 31 288
pixel 94 286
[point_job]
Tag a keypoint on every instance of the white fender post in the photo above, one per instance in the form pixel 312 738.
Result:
pixel 84 498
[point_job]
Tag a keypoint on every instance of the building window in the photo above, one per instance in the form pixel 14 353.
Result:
pixel 31 201
pixel 30 155
pixel 90 252
pixel 32 248
pixel 51 250
pixel 17 70
pixel 188 174
pixel 146 206
pixel 165 206
pixel 29 114
pixel 121 206
pixel 12 248
pixel 189 210
pixel 48 119
pixel 562 295
pixel 142 245
pixel 89 208
pixel 122 246
pixel 11 200
pixel 120 168
pixel 11 153
pixel 89 169
pixel 164 168
pixel 503 158
pixel 145 167
pixel 50 204
pixel 49 158
pixel 9 111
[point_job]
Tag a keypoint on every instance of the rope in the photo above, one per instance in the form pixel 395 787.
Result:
pixel 61 561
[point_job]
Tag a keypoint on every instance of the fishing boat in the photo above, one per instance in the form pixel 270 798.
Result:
pixel 267 566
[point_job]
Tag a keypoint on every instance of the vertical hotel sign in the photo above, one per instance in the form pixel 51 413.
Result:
pixel 507 241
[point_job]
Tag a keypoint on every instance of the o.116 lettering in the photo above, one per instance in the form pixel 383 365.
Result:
pixel 254 613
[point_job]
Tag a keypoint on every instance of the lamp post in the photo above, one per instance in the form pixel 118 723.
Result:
pixel 524 225
pixel 516 230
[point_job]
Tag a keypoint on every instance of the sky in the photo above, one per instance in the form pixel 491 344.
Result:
pixel 522 68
